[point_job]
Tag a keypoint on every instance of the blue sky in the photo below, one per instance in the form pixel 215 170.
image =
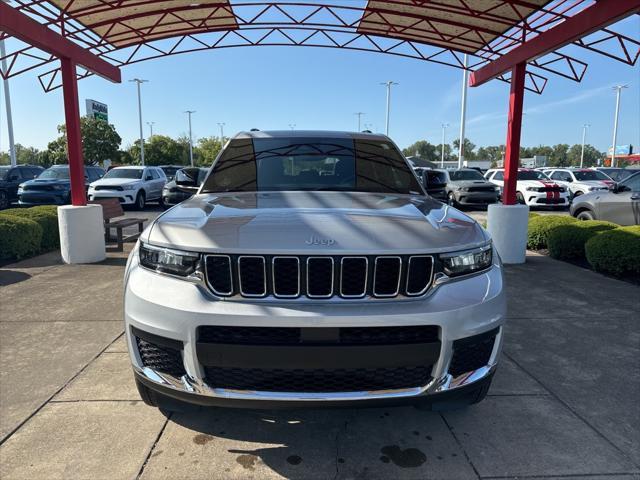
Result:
pixel 316 88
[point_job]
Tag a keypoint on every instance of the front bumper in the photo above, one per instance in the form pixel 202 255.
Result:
pixel 546 199
pixel 44 197
pixel 126 197
pixel 475 198
pixel 459 309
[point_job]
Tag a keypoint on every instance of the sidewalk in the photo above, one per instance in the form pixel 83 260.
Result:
pixel 564 401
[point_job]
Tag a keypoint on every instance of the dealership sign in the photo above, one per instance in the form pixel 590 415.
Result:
pixel 97 110
pixel 622 150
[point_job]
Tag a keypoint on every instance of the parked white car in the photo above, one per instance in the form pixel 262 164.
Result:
pixel 580 181
pixel 533 188
pixel 131 185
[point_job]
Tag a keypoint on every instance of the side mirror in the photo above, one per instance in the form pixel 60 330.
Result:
pixel 187 180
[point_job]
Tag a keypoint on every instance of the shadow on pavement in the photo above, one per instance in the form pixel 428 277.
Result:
pixel 9 277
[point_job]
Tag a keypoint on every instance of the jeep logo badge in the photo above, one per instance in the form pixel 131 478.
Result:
pixel 313 240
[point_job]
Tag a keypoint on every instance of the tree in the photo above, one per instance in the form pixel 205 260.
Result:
pixel 100 142
pixel 26 155
pixel 5 159
pixel 160 150
pixel 491 154
pixel 469 148
pixel 591 155
pixel 207 150
pixel 422 149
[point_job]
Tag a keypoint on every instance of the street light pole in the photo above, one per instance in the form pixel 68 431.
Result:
pixel 618 89
pixel 388 84
pixel 359 114
pixel 151 124
pixel 7 103
pixel 189 112
pixel 463 112
pixel 221 125
pixel 444 129
pixel 292 126
pixel 138 82
pixel 584 135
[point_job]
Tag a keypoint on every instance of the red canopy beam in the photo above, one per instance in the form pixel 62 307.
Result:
pixel 589 20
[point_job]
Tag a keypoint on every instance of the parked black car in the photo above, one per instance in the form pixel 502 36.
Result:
pixel 172 195
pixel 170 170
pixel 434 182
pixel 11 177
pixel 53 187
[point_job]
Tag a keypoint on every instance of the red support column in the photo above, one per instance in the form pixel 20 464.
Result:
pixel 74 137
pixel 512 154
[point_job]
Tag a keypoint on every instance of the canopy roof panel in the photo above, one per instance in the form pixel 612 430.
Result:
pixel 123 32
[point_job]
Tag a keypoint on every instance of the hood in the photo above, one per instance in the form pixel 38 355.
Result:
pixel 315 223
pixel 115 181
pixel 539 183
pixel 593 183
pixel 471 183
pixel 47 181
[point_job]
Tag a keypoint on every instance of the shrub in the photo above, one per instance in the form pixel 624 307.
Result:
pixel 47 217
pixel 533 215
pixel 19 237
pixel 615 251
pixel 566 242
pixel 540 226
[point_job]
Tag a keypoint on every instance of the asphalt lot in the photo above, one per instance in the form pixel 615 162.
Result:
pixel 564 403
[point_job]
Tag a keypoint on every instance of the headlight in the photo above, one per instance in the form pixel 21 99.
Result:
pixel 464 189
pixel 469 261
pixel 533 189
pixel 165 260
pixel 129 187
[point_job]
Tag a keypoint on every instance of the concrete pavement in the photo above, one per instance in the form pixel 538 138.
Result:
pixel 564 403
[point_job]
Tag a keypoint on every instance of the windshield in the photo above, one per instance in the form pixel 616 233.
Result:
pixel 590 175
pixel 134 173
pixel 4 172
pixel 465 175
pixel 59 173
pixel 170 171
pixel 202 174
pixel 311 164
pixel 531 175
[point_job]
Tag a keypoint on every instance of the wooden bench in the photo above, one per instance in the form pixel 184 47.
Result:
pixel 111 209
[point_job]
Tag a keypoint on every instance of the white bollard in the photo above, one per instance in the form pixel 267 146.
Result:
pixel 81 234
pixel 507 225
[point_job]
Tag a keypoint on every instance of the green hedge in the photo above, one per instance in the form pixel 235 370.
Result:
pixel 616 252
pixel 540 226
pixel 566 242
pixel 47 217
pixel 19 237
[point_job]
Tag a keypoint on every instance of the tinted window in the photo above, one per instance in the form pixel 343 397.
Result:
pixel 465 175
pixel 4 173
pixel 280 164
pixel 434 177
pixel 499 176
pixel 35 172
pixel 154 174
pixel 133 173
pixel 632 183
pixel 590 175
pixel 56 173
pixel 531 175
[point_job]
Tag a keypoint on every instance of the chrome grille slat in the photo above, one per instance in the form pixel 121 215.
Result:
pixel 294 276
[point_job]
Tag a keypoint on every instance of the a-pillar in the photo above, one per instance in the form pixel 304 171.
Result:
pixel 507 222
pixel 81 225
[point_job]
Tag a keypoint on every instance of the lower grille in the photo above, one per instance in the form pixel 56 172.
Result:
pixel 109 187
pixel 472 353
pixel 481 189
pixel 160 358
pixel 295 336
pixel 318 380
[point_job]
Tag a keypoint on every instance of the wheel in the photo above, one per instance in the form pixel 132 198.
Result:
pixel 585 215
pixel 451 199
pixel 4 200
pixel 520 198
pixel 140 200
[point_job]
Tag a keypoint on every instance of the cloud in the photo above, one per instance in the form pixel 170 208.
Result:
pixel 578 98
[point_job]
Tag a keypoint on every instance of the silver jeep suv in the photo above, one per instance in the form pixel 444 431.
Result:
pixel 311 268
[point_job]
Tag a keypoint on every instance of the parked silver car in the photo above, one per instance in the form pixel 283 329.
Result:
pixel 620 205
pixel 310 268
pixel 467 186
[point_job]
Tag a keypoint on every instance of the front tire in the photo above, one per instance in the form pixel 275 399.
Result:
pixel 520 198
pixel 4 200
pixel 586 215
pixel 141 200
